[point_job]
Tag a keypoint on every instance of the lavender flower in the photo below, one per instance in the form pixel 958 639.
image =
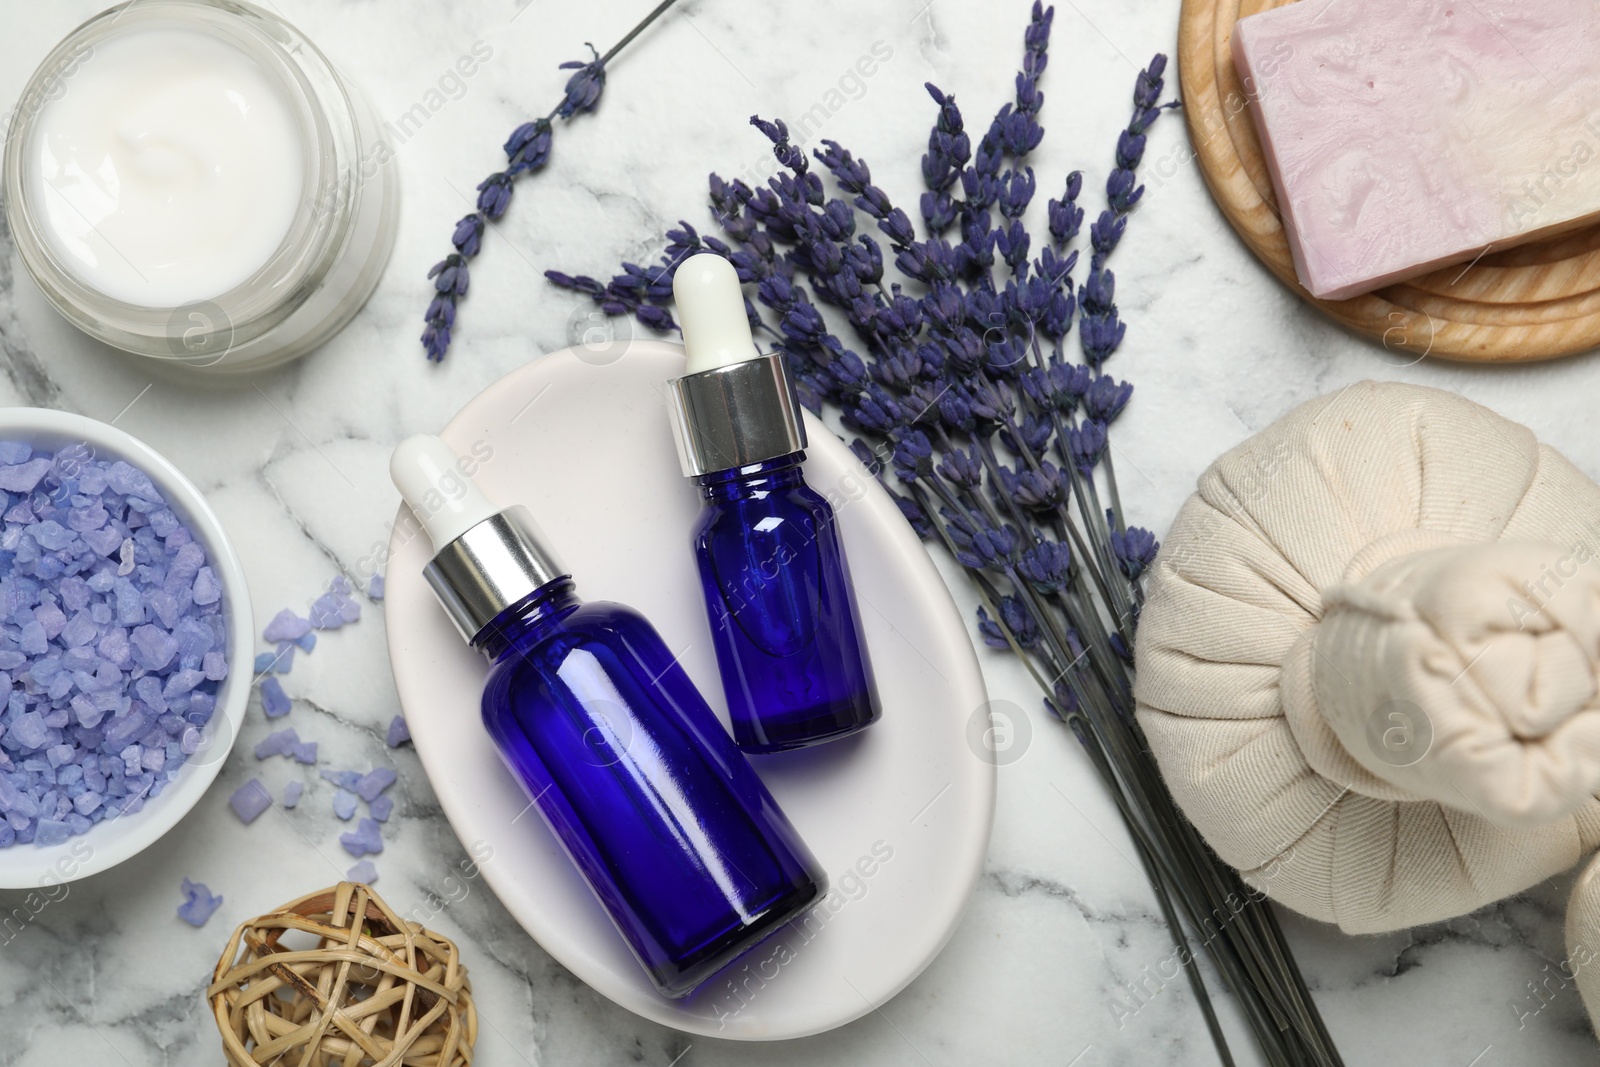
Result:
pixel 527 150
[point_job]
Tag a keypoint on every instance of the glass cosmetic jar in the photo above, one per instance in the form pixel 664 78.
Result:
pixel 193 182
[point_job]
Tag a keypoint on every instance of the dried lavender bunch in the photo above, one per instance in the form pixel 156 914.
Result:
pixel 995 443
pixel 527 150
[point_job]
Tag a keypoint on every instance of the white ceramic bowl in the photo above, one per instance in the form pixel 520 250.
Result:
pixel 108 843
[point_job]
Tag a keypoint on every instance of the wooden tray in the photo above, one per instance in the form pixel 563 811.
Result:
pixel 1537 301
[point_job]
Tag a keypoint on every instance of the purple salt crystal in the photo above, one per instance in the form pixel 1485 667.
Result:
pixel 148 689
pixel 51 535
pixel 14 452
pixel 186 563
pixel 14 802
pixel 33 640
pixel 153 647
pixel 278 744
pixel 22 477
pixel 349 609
pixel 363 872
pixel 263 662
pixel 51 617
pixel 367 840
pixel 292 793
pixel 274 701
pixel 198 903
pixel 29 731
pixel 342 779
pixel 381 808
pixel 114 647
pixel 163 523
pixel 74 593
pixel 283 659
pixel 306 642
pixel 79 630
pixel 305 752
pixel 87 802
pixel 59 754
pixel 86 713
pixel 375 587
pixel 374 782
pixel 181 682
pixel 165 606
pixel 344 803
pixel 128 480
pixel 325 613
pixel 215 665
pixel 106 541
pixel 207 590
pixel 285 626
pixel 399 732
pixel 127 726
pixel 51 832
pixel 250 800
pixel 90 517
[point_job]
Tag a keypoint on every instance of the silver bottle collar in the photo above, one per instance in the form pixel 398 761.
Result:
pixel 734 416
pixel 489 568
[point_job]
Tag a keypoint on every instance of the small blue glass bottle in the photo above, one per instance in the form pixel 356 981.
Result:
pixel 777 589
pixel 783 613
pixel 681 842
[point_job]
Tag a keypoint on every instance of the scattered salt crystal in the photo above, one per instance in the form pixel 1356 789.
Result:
pixel 342 779
pixel 51 832
pixel 215 666
pixel 381 808
pixel 207 590
pixel 363 872
pixel 263 662
pixel 250 800
pixel 344 803
pixel 281 743
pixel 305 752
pixel 399 732
pixel 283 660
pixel 198 903
pixel 274 701
pixel 374 782
pixel 285 626
pixel 367 839
pixel 306 641
pixel 375 587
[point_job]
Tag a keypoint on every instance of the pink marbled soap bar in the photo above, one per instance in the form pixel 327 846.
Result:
pixel 1405 135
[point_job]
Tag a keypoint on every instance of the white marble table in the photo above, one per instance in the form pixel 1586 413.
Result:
pixel 1060 925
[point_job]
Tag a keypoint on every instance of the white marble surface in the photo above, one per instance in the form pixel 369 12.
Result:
pixel 294 463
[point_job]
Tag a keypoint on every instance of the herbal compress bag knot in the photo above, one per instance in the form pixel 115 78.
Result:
pixel 1367 666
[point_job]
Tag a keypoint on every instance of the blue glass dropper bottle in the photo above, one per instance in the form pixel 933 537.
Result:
pixel 684 847
pixel 777 589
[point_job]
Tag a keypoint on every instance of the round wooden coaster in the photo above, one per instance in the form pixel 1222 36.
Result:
pixel 1537 301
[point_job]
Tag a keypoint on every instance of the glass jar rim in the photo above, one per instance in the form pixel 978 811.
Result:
pixel 288 276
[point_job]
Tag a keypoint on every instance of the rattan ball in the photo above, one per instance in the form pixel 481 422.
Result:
pixel 338 979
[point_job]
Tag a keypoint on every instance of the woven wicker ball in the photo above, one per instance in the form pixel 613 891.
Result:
pixel 337 979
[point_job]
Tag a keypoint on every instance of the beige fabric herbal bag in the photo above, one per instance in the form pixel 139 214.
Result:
pixel 1367 666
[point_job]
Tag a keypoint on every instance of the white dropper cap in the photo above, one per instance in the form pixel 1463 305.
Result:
pixel 426 472
pixel 710 304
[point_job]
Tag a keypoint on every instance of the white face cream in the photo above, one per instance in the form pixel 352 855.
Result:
pixel 193 182
pixel 169 170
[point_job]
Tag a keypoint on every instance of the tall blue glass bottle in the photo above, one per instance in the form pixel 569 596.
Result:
pixel 681 842
pixel 777 590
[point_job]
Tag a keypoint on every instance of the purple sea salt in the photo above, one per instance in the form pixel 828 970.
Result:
pixel 367 840
pixel 381 808
pixel 363 872
pixel 342 779
pixel 250 800
pixel 264 662
pixel 198 903
pixel 274 701
pixel 344 804
pixel 306 642
pixel 285 626
pixel 375 587
pixel 305 752
pixel 374 782
pixel 399 732
pixel 292 793
pixel 281 743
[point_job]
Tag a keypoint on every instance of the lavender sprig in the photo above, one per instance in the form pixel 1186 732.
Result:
pixel 996 443
pixel 527 150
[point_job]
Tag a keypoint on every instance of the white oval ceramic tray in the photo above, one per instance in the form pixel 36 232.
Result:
pixel 899 815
